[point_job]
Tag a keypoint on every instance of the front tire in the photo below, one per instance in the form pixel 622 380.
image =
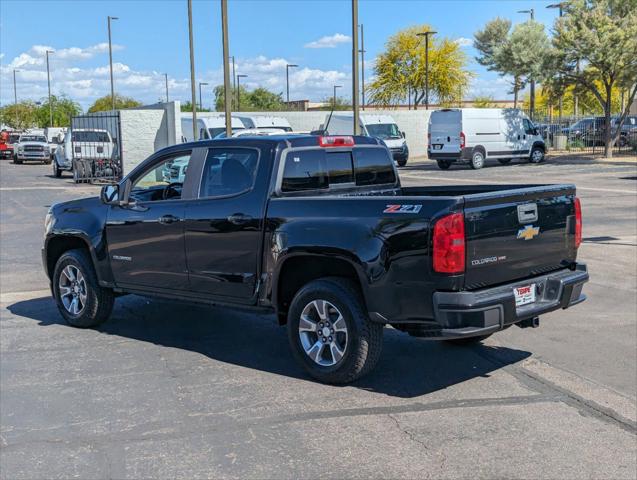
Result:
pixel 330 333
pixel 443 164
pixel 57 173
pixel 79 298
pixel 537 155
pixel 477 160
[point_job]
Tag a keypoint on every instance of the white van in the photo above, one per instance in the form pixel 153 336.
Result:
pixel 473 135
pixel 208 127
pixel 265 121
pixel 372 125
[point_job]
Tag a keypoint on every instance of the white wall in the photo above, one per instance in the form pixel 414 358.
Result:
pixel 143 132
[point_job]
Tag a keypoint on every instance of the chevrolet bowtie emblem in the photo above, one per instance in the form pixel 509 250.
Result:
pixel 528 233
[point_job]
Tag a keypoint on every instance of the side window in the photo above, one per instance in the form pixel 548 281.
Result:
pixel 373 166
pixel 163 181
pixel 203 134
pixel 304 170
pixel 228 171
pixel 528 127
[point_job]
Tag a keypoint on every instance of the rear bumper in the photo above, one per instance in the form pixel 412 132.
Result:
pixel 469 314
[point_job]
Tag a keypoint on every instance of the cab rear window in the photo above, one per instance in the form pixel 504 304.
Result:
pixel 318 169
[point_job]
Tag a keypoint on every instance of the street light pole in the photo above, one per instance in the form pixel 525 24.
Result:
pixel 110 60
pixel 193 95
pixel 239 77
pixel 355 99
pixel 166 77
pixel 287 80
pixel 561 12
pixel 15 97
pixel 362 52
pixel 200 84
pixel 426 35
pixel 531 12
pixel 234 82
pixel 227 100
pixel 48 80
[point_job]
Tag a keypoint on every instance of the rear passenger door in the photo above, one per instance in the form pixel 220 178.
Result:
pixel 224 224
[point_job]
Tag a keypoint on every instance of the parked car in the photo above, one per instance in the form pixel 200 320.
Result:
pixel 265 121
pixel 6 149
pixel 32 147
pixel 383 127
pixel 53 136
pixel 92 144
pixel 320 232
pixel 474 135
pixel 208 127
pixel 582 127
pixel 595 137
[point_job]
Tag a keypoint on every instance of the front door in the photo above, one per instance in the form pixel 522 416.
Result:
pixel 146 236
pixel 224 225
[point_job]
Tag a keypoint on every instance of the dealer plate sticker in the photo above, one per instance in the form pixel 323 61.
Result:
pixel 524 295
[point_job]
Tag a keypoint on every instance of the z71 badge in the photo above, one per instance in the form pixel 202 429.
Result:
pixel 402 209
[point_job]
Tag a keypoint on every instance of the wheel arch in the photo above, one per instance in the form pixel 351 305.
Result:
pixel 57 245
pixel 539 144
pixel 479 148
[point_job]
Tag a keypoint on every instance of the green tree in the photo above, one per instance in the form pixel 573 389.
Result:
pixel 20 115
pixel 595 49
pixel 105 104
pixel 341 103
pixel 29 114
pixel 519 53
pixel 483 101
pixel 258 100
pixel 187 107
pixel 400 69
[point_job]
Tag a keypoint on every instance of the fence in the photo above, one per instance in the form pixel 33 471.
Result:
pixel 586 134
pixel 96 147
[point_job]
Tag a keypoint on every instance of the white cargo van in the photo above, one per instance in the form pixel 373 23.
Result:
pixel 265 121
pixel 473 135
pixel 208 127
pixel 372 125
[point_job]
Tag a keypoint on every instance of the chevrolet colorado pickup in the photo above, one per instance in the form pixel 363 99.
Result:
pixel 319 231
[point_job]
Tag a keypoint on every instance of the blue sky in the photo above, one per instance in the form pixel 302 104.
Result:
pixel 151 37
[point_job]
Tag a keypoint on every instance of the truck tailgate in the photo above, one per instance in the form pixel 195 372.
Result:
pixel 516 234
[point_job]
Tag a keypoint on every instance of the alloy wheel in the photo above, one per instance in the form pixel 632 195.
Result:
pixel 73 289
pixel 323 333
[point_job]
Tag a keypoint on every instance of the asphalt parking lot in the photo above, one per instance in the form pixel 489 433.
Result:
pixel 172 390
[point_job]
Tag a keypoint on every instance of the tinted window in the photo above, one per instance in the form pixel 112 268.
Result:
pixel 528 127
pixel 304 170
pixel 373 166
pixel 383 130
pixel 85 136
pixel 339 167
pixel 228 171
pixel 153 184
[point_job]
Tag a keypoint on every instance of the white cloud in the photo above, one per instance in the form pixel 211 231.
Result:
pixel 498 88
pixel 36 55
pixel 464 42
pixel 330 41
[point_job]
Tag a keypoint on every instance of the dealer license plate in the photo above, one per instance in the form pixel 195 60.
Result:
pixel 438 146
pixel 524 295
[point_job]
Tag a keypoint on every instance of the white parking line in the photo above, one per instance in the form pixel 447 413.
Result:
pixel 449 179
pixel 12 189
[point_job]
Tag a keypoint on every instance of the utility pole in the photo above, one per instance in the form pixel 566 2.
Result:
pixel 287 80
pixel 426 35
pixel 239 77
pixel 110 60
pixel 355 99
pixel 193 95
pixel 234 82
pixel 166 77
pixel 48 80
pixel 200 84
pixel 227 100
pixel 531 12
pixel 362 51
pixel 15 97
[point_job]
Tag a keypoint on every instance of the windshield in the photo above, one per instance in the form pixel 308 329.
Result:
pixel 217 131
pixel 14 138
pixel 32 138
pixel 383 130
pixel 89 136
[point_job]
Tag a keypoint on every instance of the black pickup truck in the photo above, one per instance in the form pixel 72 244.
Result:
pixel 319 231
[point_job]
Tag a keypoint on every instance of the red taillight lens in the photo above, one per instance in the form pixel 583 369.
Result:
pixel 449 244
pixel 333 141
pixel 463 140
pixel 578 223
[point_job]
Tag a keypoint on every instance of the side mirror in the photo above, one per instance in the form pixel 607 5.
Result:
pixel 110 195
pixel 403 134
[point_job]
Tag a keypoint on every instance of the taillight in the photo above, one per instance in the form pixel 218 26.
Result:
pixel 463 141
pixel 333 141
pixel 449 244
pixel 578 223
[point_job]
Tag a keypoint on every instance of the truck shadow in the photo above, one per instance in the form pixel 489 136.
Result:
pixel 408 367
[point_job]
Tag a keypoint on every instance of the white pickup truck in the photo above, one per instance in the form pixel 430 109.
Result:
pixel 82 144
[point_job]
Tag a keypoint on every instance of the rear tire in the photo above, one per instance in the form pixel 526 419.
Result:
pixel 444 164
pixel 74 280
pixel 16 161
pixel 461 342
pixel 340 343
pixel 477 160
pixel 504 161
pixel 401 163
pixel 57 173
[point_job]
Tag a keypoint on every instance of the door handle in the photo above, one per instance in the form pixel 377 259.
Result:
pixel 239 219
pixel 518 137
pixel 168 219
